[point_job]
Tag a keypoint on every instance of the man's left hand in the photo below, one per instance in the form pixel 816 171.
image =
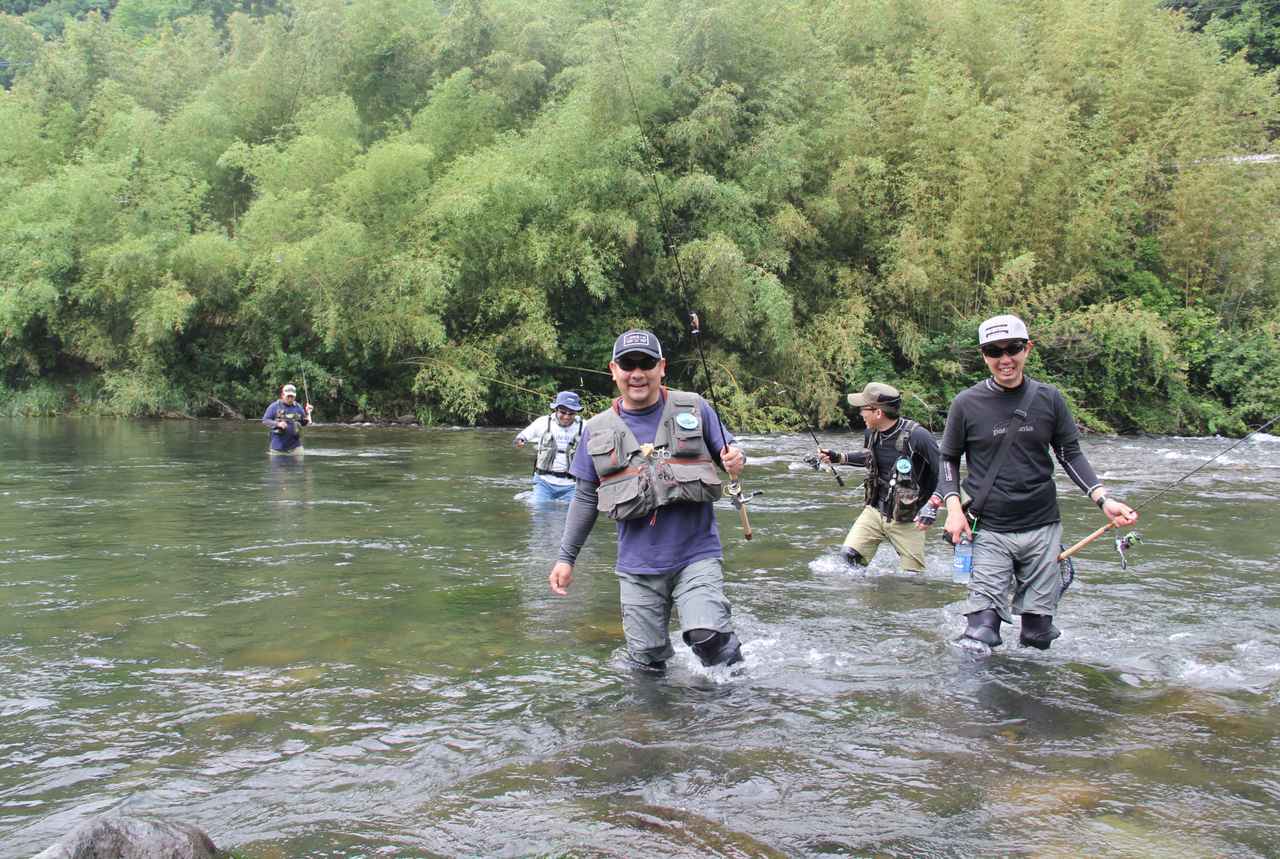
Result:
pixel 1120 514
pixel 733 459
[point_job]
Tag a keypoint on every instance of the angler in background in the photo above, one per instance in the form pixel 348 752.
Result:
pixel 901 458
pixel 649 462
pixel 1005 427
pixel 557 435
pixel 286 419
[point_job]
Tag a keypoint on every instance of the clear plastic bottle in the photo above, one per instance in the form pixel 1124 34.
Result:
pixel 962 562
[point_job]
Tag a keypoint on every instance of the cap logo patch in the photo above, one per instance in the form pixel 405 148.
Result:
pixel 637 338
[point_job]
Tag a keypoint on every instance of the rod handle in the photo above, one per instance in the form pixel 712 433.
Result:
pixel 1086 541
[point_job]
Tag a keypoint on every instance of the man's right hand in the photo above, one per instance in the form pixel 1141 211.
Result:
pixel 561 577
pixel 957 524
pixel 519 442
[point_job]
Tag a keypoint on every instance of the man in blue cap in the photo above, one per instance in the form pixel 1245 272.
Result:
pixel 649 463
pixel 557 435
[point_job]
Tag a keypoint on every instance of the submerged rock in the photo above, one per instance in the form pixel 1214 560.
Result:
pixel 123 837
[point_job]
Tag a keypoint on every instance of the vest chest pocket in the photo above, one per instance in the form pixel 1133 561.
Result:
pixel 693 482
pixel 628 494
pixel 687 442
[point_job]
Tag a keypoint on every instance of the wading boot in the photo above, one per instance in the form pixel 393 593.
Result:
pixel 714 648
pixel 984 626
pixel 852 557
pixel 1038 631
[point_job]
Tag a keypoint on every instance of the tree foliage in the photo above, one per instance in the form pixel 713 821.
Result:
pixel 450 209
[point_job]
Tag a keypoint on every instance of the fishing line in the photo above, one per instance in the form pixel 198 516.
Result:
pixel 796 406
pixel 1123 543
pixel 734 489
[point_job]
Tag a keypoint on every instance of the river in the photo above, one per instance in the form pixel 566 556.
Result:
pixel 356 654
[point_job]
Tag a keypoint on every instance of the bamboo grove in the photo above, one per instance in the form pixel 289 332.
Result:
pixel 446 210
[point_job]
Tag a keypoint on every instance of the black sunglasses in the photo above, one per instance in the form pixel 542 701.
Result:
pixel 991 350
pixel 627 363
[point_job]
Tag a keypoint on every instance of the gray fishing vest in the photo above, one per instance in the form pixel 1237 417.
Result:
pixel 904 499
pixel 547 448
pixel 635 479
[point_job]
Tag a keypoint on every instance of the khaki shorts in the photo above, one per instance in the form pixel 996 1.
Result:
pixel 870 529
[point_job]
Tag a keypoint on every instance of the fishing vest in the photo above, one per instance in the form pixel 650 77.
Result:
pixel 636 479
pixel 904 501
pixel 547 448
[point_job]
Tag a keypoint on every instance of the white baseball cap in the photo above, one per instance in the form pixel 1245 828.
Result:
pixel 1005 327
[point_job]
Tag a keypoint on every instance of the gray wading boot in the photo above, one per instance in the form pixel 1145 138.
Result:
pixel 1038 631
pixel 984 626
pixel 714 648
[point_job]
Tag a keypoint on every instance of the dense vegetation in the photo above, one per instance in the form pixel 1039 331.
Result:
pixel 448 209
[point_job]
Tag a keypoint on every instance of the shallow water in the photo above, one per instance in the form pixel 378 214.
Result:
pixel 356 654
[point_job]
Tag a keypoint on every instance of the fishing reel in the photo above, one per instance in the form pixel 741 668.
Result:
pixel 1124 543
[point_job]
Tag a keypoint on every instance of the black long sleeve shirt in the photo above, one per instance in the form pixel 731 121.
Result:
pixel 1024 495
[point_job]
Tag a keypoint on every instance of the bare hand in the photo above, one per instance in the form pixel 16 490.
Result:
pixel 282 424
pixel 957 524
pixel 519 442
pixel 733 459
pixel 561 577
pixel 310 409
pixel 1119 513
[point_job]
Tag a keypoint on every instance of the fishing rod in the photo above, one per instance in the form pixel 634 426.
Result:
pixel 816 465
pixel 1123 543
pixel 734 489
pixel 306 395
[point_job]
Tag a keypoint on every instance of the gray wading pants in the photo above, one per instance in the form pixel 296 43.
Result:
pixel 1017 569
pixel 697 592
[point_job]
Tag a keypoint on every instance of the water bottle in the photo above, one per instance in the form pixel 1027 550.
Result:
pixel 962 562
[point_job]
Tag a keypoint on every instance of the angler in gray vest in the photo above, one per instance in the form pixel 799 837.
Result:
pixel 1009 428
pixel 557 435
pixel 649 463
pixel 901 458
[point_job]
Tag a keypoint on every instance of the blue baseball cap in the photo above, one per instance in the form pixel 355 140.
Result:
pixel 567 400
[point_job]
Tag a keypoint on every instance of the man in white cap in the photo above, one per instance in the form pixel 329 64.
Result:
pixel 557 435
pixel 1006 427
pixel 286 419
pixel 649 462
pixel 901 458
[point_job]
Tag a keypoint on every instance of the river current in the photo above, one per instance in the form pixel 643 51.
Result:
pixel 356 654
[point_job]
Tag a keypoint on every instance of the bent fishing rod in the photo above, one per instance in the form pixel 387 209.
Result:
pixel 809 428
pixel 734 489
pixel 1123 543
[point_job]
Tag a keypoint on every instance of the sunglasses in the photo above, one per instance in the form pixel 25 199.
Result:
pixel 627 363
pixel 993 351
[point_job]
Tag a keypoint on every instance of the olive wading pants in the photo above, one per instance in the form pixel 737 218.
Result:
pixel 871 528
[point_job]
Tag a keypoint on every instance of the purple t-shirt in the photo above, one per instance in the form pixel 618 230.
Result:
pixel 680 533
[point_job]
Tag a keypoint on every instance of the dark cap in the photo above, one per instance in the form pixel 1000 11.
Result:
pixel 637 341
pixel 876 394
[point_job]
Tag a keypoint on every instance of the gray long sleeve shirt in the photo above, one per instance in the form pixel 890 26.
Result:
pixel 1024 495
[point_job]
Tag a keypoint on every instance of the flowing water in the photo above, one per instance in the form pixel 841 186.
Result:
pixel 356 654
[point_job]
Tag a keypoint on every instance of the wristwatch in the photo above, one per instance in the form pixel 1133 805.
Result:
pixel 1101 500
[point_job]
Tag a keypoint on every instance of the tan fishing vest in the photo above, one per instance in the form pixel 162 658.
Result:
pixel 636 479
pixel 547 448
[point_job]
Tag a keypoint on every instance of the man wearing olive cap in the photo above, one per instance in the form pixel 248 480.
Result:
pixel 901 458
